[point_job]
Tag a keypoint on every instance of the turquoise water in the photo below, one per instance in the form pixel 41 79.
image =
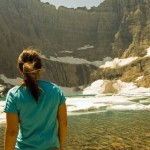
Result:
pixel 2 98
pixel 110 130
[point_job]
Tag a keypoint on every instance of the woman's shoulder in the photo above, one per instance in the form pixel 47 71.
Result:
pixel 13 92
pixel 14 89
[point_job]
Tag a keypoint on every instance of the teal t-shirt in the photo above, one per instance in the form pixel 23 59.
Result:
pixel 38 121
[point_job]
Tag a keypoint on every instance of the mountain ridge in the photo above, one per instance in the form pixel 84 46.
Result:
pixel 116 28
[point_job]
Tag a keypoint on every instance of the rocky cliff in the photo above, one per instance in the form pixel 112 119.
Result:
pixel 137 72
pixel 116 28
pixel 68 75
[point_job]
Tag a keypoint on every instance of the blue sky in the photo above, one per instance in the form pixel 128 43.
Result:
pixel 74 3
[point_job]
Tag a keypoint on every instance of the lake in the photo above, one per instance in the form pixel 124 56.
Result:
pixel 109 130
pixel 107 122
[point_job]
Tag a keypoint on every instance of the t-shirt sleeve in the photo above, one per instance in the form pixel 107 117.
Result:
pixel 10 106
pixel 62 98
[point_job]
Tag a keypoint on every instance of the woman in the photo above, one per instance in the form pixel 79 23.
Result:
pixel 35 111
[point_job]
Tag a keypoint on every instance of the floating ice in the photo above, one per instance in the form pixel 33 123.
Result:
pixel 114 102
pixel 2 115
pixel 129 97
pixel 130 107
pixel 85 106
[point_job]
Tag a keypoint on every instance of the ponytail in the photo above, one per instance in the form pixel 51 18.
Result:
pixel 29 63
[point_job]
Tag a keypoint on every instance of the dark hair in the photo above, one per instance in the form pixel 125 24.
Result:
pixel 29 63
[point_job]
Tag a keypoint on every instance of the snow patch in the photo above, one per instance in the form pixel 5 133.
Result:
pixel 72 60
pixel 118 62
pixel 95 88
pixel 139 78
pixel 85 47
pixel 148 52
pixel 65 51
pixel 14 81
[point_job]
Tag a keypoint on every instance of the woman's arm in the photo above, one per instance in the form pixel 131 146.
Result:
pixel 62 121
pixel 11 131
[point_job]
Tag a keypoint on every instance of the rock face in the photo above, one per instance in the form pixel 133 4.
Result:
pixel 116 28
pixel 67 74
pixel 132 38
